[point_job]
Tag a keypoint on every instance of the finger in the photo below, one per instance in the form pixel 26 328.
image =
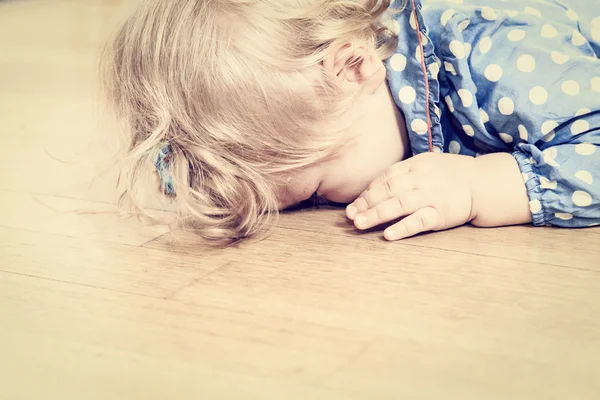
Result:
pixel 423 220
pixel 395 171
pixel 352 209
pixel 380 192
pixel 389 210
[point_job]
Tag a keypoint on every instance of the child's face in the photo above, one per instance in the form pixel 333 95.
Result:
pixel 380 140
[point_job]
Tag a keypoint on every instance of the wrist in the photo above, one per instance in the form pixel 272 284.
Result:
pixel 499 195
pixel 477 188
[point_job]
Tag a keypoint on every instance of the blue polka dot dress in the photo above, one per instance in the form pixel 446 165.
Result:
pixel 520 76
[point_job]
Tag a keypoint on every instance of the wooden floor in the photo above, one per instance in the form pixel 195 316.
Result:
pixel 94 307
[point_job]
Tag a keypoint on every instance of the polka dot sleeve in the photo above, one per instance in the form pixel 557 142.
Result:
pixel 523 76
pixel 515 76
pixel 563 180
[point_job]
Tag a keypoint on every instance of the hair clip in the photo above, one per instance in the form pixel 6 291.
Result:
pixel 162 166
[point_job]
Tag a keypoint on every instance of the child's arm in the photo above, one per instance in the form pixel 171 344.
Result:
pixel 435 191
pixel 499 192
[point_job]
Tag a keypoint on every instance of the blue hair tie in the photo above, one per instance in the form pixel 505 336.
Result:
pixel 162 166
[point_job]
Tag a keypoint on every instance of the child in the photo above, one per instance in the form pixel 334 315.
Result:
pixel 247 107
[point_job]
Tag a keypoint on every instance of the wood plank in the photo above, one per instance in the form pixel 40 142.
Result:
pixel 73 217
pixel 100 264
pixel 480 327
pixel 578 248
pixel 50 99
pixel 69 341
pixel 401 369
pixel 347 275
pixel 86 335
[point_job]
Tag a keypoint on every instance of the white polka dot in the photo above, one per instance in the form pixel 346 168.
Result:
pixel 437 149
pixel 580 126
pixel 412 21
pixel 395 27
pixel 585 177
pixel 418 54
pixel 595 34
pixel 582 111
pixel 525 177
pixel 548 127
pixel 407 95
pixel 535 206
pixel 398 62
pixel 454 147
pixel 449 103
pixel 449 67
pixel 526 63
pixel 468 129
pixel 512 13
pixel 547 184
pixel 585 149
pixel 564 216
pixel 484 116
pixel 424 39
pixel 446 16
pixel 458 49
pixel 578 39
pixel 506 138
pixel 466 97
pixel 550 156
pixel 516 35
pixel 572 15
pixel 419 126
pixel 595 31
pixel 488 13
pixel 532 11
pixel 559 58
pixel 463 25
pixel 485 44
pixel 506 106
pixel 467 49
pixel 538 95
pixel 434 70
pixel 595 83
pixel 549 31
pixel 570 88
pixel 437 111
pixel 523 134
pixel 581 198
pixel 493 72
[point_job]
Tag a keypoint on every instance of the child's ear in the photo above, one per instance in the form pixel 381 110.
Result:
pixel 355 66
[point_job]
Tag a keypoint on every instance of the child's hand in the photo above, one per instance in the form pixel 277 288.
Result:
pixel 430 191
pixel 433 191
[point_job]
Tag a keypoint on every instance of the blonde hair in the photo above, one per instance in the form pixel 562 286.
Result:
pixel 237 91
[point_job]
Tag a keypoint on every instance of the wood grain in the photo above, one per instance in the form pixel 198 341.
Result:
pixel 95 306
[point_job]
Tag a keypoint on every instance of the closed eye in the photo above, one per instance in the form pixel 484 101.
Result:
pixel 319 200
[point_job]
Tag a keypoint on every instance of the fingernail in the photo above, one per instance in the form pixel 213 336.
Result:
pixel 390 234
pixel 360 220
pixel 351 211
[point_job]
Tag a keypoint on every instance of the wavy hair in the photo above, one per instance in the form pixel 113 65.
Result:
pixel 237 90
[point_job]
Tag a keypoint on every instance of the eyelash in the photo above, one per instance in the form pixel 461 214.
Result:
pixel 318 200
